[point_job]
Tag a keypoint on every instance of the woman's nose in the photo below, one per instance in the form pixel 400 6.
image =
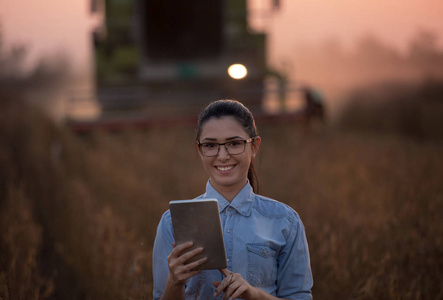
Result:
pixel 223 153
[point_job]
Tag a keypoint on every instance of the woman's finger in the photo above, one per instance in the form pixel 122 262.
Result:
pixel 225 272
pixel 231 287
pixel 177 259
pixel 191 266
pixel 176 253
pixel 184 258
pixel 238 292
pixel 223 284
pixel 179 248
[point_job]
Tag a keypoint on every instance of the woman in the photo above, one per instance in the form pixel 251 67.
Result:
pixel 265 241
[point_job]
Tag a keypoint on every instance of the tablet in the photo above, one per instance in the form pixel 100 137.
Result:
pixel 198 221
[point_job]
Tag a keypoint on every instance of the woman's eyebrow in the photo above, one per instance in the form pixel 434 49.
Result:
pixel 227 139
pixel 234 138
pixel 209 139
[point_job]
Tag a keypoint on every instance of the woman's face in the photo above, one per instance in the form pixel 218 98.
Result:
pixel 227 172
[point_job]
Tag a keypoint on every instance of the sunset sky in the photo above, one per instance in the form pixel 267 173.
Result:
pixel 48 28
pixel 394 22
pixel 297 22
pixel 308 24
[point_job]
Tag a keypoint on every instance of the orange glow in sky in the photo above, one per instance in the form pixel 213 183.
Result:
pixel 299 30
pixel 395 22
pixel 42 27
pixel 291 27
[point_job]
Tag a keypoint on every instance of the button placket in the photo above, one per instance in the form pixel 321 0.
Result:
pixel 230 216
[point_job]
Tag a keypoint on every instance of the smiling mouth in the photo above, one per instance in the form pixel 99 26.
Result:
pixel 224 168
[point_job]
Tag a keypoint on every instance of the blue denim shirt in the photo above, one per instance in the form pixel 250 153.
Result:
pixel 265 242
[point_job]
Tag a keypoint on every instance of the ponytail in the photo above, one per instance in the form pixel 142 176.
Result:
pixel 253 178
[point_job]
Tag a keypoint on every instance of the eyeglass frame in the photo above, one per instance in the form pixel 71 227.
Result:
pixel 250 140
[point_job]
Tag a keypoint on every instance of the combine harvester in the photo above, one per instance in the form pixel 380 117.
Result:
pixel 191 52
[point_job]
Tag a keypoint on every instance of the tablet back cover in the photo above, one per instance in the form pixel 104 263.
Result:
pixel 198 221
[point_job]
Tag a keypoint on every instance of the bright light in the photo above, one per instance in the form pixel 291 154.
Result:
pixel 237 71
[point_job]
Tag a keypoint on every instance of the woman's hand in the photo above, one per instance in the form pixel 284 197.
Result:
pixel 179 271
pixel 233 285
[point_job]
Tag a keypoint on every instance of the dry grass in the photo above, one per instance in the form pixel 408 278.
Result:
pixel 371 206
pixel 79 213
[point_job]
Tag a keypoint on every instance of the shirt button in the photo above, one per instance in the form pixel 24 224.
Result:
pixel 227 259
pixel 229 230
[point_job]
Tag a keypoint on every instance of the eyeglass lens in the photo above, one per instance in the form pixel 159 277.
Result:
pixel 233 148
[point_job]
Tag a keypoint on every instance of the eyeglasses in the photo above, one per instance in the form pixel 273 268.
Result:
pixel 232 147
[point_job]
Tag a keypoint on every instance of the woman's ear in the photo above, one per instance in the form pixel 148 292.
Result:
pixel 255 146
pixel 198 150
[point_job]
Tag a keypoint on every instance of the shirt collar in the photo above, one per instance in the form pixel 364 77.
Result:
pixel 242 202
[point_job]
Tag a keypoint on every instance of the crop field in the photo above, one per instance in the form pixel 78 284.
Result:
pixel 78 213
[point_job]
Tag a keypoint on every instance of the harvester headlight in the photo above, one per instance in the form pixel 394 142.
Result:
pixel 237 71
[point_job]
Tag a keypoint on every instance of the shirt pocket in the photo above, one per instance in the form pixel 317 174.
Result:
pixel 262 263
